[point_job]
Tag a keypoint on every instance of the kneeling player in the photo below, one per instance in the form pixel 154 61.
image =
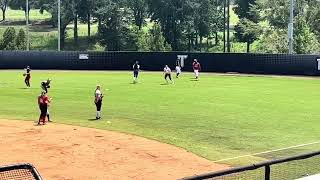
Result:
pixel 167 74
pixel 45 85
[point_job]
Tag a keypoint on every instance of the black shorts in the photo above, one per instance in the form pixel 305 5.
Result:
pixel 99 105
pixel 43 109
pixel 135 73
pixel 167 76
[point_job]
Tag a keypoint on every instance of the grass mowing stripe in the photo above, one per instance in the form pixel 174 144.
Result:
pixel 217 117
pixel 267 152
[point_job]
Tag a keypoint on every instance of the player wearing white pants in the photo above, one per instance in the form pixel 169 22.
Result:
pixel 196 73
pixel 178 68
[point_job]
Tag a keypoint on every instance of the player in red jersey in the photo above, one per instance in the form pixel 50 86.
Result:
pixel 27 74
pixel 196 68
pixel 43 102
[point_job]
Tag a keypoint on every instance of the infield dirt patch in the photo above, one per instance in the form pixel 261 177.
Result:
pixel 69 152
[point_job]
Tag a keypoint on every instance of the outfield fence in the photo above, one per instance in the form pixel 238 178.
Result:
pixel 294 167
pixel 19 172
pixel 282 64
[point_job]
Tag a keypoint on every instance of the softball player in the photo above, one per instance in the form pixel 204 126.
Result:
pixel 136 70
pixel 43 102
pixel 98 96
pixel 196 68
pixel 45 85
pixel 167 74
pixel 27 74
pixel 178 68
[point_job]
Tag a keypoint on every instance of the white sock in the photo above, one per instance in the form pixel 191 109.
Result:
pixel 97 114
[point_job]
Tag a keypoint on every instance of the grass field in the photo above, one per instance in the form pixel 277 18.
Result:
pixel 217 117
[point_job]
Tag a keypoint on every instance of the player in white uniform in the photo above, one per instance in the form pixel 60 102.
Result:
pixel 98 101
pixel 167 74
pixel 178 68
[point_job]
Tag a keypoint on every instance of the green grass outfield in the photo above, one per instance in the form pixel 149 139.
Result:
pixel 217 117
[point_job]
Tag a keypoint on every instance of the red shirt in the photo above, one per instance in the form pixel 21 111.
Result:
pixel 43 100
pixel 196 66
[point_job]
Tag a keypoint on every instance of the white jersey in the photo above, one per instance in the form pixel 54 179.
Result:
pixel 98 95
pixel 167 70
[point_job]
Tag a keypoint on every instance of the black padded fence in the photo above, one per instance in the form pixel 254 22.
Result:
pixel 19 172
pixel 281 64
pixel 295 167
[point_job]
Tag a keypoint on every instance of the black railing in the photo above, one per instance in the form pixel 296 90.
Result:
pixel 13 171
pixel 266 165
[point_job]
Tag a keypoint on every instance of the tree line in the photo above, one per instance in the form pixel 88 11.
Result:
pixel 186 25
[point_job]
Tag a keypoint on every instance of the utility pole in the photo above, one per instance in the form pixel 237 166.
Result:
pixel 59 25
pixel 290 27
pixel 27 25
pixel 224 26
pixel 228 26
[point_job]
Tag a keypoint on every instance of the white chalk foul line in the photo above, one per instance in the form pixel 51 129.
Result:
pixel 266 152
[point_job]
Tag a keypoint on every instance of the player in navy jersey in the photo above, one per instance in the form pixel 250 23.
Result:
pixel 45 85
pixel 136 70
pixel 27 74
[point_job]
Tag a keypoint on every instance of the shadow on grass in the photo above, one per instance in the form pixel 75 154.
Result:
pixel 42 28
pixel 93 119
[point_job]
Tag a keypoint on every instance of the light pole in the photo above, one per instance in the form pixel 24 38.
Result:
pixel 290 27
pixel 59 25
pixel 27 25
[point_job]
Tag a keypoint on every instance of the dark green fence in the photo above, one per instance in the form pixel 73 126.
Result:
pixel 155 61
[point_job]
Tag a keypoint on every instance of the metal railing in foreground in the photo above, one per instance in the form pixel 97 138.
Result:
pixel 310 165
pixel 19 171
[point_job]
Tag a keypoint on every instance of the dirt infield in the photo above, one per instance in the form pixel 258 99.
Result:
pixel 68 152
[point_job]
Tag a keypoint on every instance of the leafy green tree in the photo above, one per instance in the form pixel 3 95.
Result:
pixel 67 15
pixel 306 41
pixel 3 7
pixel 21 5
pixel 8 41
pixel 21 40
pixel 171 14
pixel 114 30
pixel 157 41
pixel 139 8
pixel 273 41
pixel 247 30
pixel 140 38
pixel 85 12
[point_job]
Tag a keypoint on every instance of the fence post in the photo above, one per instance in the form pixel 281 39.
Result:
pixel 267 173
